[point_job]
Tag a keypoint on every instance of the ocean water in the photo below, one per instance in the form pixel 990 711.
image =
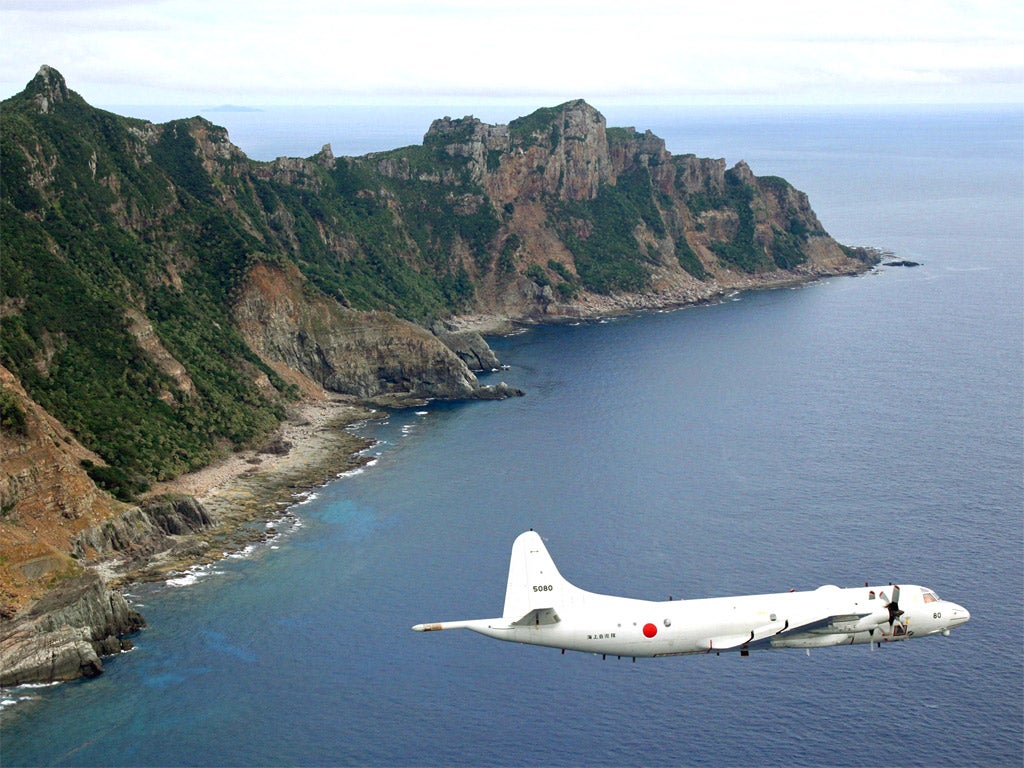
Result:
pixel 850 430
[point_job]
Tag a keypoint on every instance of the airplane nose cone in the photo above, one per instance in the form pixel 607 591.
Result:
pixel 958 615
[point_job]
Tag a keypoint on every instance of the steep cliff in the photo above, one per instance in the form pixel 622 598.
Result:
pixel 57 616
pixel 46 498
pixel 580 218
pixel 133 257
pixel 191 283
pixel 367 354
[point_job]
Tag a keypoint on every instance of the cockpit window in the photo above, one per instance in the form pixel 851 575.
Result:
pixel 929 596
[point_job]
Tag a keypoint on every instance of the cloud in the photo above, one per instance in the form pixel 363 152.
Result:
pixel 327 51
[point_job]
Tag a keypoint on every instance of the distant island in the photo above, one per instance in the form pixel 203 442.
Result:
pixel 232 108
pixel 176 317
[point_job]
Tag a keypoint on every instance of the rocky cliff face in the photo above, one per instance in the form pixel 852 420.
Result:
pixel 562 151
pixel 64 634
pixel 574 196
pixel 57 616
pixel 369 355
pixel 46 498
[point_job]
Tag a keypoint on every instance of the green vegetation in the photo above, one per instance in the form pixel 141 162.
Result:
pixel 742 250
pixel 544 125
pixel 73 271
pixel 601 233
pixel 784 250
pixel 177 154
pixel 619 135
pixel 120 483
pixel 12 418
pixel 567 291
pixel 688 258
pixel 536 273
pixel 636 189
pixel 507 258
pixel 561 270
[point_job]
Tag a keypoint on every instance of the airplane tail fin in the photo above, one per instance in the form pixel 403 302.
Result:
pixel 535 594
pixel 535 587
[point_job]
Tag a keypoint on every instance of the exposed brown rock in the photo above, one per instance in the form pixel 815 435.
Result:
pixel 368 355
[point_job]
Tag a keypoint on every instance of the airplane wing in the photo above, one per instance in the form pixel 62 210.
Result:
pixel 754 636
pixel 814 623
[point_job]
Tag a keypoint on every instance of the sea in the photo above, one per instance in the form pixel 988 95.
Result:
pixel 850 430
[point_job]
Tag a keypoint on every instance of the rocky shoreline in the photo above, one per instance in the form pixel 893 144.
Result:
pixel 670 295
pixel 312 447
pixel 192 520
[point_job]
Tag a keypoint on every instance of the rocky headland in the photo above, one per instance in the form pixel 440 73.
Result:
pixel 185 333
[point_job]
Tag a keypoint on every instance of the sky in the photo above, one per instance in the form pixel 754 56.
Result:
pixel 337 52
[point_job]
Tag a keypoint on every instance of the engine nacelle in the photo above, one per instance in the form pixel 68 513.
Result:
pixel 871 621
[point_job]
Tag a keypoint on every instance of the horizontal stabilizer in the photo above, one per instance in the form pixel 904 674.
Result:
pixel 538 617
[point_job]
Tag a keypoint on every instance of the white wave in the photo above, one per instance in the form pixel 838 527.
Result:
pixel 11 701
pixel 35 685
pixel 357 470
pixel 422 413
pixel 19 694
pixel 242 553
pixel 187 580
pixel 189 577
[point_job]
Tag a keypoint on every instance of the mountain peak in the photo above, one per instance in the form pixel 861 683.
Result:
pixel 47 88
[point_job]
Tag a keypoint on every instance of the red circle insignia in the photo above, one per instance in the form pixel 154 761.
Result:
pixel 650 630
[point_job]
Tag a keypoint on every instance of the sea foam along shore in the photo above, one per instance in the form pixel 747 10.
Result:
pixel 313 446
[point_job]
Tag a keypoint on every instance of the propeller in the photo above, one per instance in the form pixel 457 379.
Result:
pixel 893 606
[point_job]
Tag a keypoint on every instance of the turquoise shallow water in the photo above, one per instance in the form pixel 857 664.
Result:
pixel 855 429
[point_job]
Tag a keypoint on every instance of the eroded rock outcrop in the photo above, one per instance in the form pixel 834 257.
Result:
pixel 131 539
pixel 374 356
pixel 58 617
pixel 470 346
pixel 64 634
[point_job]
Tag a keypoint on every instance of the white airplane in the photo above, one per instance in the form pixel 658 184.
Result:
pixel 542 608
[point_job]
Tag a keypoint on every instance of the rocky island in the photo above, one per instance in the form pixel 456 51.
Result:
pixel 185 331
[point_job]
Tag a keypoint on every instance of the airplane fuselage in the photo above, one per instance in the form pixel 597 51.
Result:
pixel 618 626
pixel 542 608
